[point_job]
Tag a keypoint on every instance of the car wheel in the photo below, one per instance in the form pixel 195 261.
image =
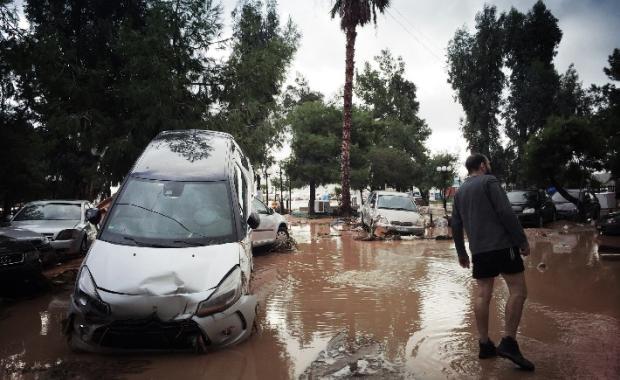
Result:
pixel 282 234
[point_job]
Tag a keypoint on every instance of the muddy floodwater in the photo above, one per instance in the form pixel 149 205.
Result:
pixel 409 297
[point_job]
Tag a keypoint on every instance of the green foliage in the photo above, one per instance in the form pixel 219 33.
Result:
pixel 252 77
pixel 99 79
pixel 391 167
pixel 315 129
pixel 358 12
pixel 607 115
pixel 440 180
pixel 315 143
pixel 531 43
pixel 388 127
pixel 566 152
pixel 475 73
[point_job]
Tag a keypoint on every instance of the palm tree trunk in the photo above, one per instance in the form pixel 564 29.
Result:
pixel 346 125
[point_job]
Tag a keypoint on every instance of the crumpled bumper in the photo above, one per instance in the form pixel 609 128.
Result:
pixel 187 332
pixel 403 230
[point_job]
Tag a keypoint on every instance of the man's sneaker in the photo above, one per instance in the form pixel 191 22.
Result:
pixel 509 348
pixel 487 350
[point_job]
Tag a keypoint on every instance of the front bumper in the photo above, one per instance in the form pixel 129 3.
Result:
pixel 107 334
pixel 403 230
pixel 19 263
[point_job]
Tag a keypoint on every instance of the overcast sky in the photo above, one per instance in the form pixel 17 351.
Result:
pixel 419 31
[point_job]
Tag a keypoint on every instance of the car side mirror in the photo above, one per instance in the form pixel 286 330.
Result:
pixel 93 215
pixel 253 220
pixel 271 211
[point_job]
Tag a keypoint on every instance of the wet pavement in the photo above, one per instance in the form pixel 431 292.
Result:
pixel 402 309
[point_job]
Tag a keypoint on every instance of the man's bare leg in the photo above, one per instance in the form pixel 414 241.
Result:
pixel 514 306
pixel 484 292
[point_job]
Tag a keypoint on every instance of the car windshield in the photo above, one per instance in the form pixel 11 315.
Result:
pixel 558 198
pixel 521 196
pixel 396 202
pixel 171 214
pixel 50 211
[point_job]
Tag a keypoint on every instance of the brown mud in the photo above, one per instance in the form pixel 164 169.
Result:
pixel 398 308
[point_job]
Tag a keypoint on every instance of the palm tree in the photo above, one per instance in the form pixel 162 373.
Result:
pixel 352 13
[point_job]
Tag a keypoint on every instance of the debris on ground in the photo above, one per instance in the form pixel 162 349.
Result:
pixel 344 358
pixel 13 366
pixel 284 245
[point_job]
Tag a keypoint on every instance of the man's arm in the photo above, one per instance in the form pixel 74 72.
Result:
pixel 457 230
pixel 507 217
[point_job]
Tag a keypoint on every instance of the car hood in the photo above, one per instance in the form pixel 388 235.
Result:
pixel 400 215
pixel 46 226
pixel 160 271
pixel 17 233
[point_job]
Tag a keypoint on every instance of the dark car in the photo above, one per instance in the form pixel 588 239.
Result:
pixel 609 224
pixel 23 251
pixel 568 210
pixel 532 207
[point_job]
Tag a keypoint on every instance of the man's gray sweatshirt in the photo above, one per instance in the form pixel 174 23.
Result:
pixel 482 208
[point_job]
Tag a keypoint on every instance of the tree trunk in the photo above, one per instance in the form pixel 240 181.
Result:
pixel 312 197
pixel 346 124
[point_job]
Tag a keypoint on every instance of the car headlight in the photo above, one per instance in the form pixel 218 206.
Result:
pixel 68 234
pixel 86 295
pixel 529 210
pixel 226 294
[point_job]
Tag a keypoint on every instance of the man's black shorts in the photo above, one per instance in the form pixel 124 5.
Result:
pixel 492 263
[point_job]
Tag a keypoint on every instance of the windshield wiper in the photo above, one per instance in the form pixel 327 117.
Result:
pixel 165 216
pixel 193 244
pixel 144 244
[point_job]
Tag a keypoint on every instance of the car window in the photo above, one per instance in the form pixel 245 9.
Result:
pixel 50 211
pixel 171 213
pixel 259 206
pixel 558 198
pixel 396 202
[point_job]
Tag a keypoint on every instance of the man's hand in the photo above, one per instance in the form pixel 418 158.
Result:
pixel 525 251
pixel 464 261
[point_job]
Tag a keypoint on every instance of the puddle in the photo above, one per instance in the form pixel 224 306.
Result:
pixel 402 305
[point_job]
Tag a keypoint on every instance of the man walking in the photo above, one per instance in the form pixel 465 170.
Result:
pixel 496 241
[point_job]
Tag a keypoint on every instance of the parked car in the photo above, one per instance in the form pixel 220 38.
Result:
pixel 23 252
pixel 171 266
pixel 609 224
pixel 532 207
pixel 396 212
pixel 568 210
pixel 61 221
pixel 272 227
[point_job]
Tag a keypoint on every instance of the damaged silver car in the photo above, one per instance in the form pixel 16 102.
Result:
pixel 171 266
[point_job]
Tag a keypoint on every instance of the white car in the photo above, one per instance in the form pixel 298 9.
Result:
pixel 272 228
pixel 396 212
pixel 171 266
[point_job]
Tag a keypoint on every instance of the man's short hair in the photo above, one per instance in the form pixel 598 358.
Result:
pixel 473 162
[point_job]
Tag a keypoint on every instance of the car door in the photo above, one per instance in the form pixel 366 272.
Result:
pixel 266 231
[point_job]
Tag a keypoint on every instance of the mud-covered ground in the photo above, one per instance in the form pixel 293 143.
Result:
pixel 342 307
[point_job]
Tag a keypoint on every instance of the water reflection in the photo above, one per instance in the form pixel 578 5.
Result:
pixel 409 295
